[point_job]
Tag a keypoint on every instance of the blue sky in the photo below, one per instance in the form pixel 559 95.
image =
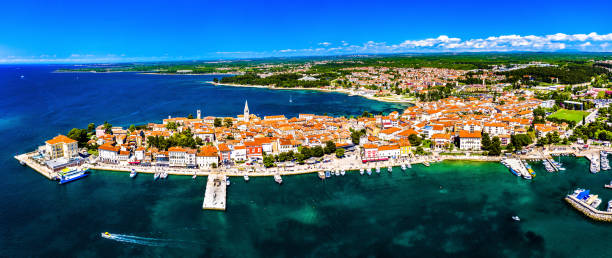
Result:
pixel 113 31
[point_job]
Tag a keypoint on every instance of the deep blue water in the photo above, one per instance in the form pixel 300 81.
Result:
pixel 451 209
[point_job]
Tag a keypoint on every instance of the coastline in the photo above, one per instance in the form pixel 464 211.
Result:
pixel 142 72
pixel 350 93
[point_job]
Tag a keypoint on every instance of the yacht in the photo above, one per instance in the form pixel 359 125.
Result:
pixel 278 179
pixel 133 173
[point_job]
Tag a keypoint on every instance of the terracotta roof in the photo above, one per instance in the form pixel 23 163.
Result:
pixel 467 134
pixel 60 139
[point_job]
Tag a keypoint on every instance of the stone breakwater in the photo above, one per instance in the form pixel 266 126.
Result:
pixel 589 211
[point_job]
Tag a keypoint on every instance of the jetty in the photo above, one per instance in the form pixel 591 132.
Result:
pixel 588 210
pixel 27 160
pixel 518 166
pixel 215 194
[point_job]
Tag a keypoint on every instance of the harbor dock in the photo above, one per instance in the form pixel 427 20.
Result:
pixel 215 194
pixel 518 166
pixel 589 210
pixel 26 159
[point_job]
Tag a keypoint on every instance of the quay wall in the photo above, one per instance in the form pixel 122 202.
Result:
pixel 589 211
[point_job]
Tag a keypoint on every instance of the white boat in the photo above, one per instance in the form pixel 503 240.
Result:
pixel 409 165
pixel 156 176
pixel 390 169
pixel 361 171
pixel 337 172
pixel 246 178
pixel 403 167
pixel 133 173
pixel 369 171
pixel 194 176
pixel 342 172
pixel 163 175
pixel 278 179
pixel 516 218
pixel 378 170
pixel 227 181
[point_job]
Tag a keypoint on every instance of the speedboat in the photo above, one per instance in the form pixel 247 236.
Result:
pixel 106 235
pixel 361 171
pixel 133 173
pixel 278 179
pixel 246 178
pixel 516 218
pixel 390 169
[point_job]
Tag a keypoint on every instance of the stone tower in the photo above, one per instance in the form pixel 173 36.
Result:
pixel 246 111
pixel 199 114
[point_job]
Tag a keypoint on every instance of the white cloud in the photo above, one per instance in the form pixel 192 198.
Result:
pixel 325 44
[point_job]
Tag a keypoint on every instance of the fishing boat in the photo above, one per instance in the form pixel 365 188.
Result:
pixel 71 174
pixel 246 178
pixel 369 171
pixel 133 173
pixel 361 171
pixel 390 169
pixel 106 235
pixel 516 218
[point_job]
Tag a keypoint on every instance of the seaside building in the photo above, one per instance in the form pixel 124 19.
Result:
pixel 61 146
pixel 470 140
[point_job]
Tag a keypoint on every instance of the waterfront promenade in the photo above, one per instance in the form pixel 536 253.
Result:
pixel 216 192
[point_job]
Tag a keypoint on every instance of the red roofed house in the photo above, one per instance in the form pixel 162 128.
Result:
pixel 253 150
pixel 441 140
pixel 469 141
pixel 370 151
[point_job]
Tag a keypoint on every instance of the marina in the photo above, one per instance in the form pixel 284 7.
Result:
pixel 587 203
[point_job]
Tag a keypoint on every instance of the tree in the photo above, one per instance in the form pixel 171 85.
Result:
pixel 132 128
pixel 330 147
pixel 190 116
pixel 215 80
pixel 340 152
pixel 485 142
pixel 107 128
pixel 414 140
pixel 171 125
pixel 355 135
pixel 268 161
pixel 365 114
pixel 306 152
pixel 228 122
pixel 91 127
pixel 214 165
pixel 495 147
pixel 79 135
pixel 218 122
pixel 317 151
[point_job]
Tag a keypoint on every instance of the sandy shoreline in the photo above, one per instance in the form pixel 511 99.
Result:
pixel 381 99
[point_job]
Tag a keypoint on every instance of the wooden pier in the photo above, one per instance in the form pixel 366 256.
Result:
pixel 588 210
pixel 215 194
pixel 26 159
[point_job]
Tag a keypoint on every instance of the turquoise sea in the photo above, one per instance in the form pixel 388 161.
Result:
pixel 451 209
